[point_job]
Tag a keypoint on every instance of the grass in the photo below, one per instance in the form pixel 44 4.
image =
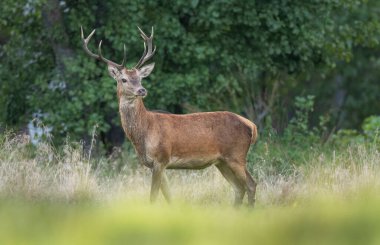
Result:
pixel 330 197
pixel 323 222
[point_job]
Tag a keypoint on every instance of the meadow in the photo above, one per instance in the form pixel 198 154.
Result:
pixel 50 196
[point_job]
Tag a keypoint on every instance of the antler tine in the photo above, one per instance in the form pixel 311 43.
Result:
pixel 148 52
pixel 100 56
pixel 85 43
pixel 142 57
pixel 124 56
pixel 143 35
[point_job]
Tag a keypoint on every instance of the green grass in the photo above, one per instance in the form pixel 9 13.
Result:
pixel 325 221
pixel 328 197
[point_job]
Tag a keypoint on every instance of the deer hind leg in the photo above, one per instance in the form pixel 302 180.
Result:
pixel 251 188
pixel 234 180
pixel 245 179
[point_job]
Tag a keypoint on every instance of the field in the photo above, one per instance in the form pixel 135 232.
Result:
pixel 48 197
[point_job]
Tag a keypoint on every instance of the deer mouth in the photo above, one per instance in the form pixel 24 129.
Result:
pixel 135 96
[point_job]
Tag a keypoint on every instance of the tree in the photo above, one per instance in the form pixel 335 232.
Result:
pixel 251 57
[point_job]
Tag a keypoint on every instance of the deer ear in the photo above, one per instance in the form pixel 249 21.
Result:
pixel 114 72
pixel 146 70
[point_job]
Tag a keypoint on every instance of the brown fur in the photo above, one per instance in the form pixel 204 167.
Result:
pixel 194 139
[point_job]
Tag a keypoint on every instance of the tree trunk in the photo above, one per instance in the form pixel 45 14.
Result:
pixel 338 101
pixel 53 23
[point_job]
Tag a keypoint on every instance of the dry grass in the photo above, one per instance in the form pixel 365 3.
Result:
pixel 70 177
pixel 343 175
pixel 333 199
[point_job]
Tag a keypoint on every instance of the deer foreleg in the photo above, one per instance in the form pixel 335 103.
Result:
pixel 156 182
pixel 165 187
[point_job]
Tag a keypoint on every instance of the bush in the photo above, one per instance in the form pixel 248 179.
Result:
pixel 369 135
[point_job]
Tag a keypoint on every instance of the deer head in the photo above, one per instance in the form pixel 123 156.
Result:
pixel 128 80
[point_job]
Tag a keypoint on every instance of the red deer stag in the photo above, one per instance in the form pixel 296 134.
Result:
pixel 169 141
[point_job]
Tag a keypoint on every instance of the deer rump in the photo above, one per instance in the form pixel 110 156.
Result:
pixel 196 141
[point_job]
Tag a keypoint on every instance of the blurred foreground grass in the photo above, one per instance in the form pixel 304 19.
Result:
pixel 46 197
pixel 325 221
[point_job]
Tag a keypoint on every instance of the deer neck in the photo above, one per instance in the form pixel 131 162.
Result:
pixel 134 120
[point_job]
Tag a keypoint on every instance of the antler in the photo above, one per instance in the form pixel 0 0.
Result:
pixel 147 53
pixel 100 56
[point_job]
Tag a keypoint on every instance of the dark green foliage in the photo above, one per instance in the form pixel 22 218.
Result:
pixel 281 155
pixel 369 134
pixel 251 57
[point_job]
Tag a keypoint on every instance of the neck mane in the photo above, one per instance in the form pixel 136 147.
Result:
pixel 134 120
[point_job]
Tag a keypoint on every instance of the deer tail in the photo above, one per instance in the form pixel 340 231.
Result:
pixel 253 128
pixel 254 134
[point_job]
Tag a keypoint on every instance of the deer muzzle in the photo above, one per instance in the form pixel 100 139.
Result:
pixel 142 92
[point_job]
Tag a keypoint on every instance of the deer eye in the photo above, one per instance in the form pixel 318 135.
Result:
pixel 124 80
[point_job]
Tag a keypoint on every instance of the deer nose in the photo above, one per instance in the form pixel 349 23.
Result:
pixel 142 92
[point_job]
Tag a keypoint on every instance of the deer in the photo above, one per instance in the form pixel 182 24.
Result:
pixel 179 141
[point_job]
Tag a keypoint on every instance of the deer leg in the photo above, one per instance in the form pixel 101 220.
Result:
pixel 165 187
pixel 244 179
pixel 251 188
pixel 240 171
pixel 156 182
pixel 230 176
